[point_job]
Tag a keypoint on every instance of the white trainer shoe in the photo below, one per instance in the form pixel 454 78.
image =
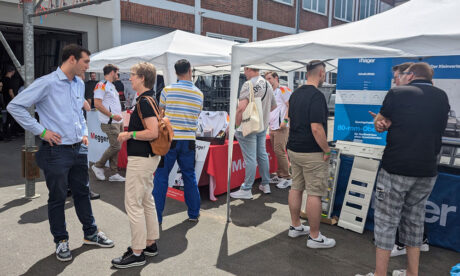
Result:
pixel 399 272
pixel 284 184
pixel 98 172
pixel 242 194
pixel 398 251
pixel 265 188
pixel 320 242
pixel 368 274
pixel 294 233
pixel 275 180
pixel 425 247
pixel 117 178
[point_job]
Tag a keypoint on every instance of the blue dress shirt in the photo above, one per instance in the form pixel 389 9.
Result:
pixel 58 102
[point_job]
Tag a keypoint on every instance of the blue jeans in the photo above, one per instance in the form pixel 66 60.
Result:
pixel 254 152
pixel 184 152
pixel 64 167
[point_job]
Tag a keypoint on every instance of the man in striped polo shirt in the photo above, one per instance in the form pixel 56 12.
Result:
pixel 182 103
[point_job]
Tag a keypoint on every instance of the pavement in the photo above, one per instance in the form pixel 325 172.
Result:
pixel 255 242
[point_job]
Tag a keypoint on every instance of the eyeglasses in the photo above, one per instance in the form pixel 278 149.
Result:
pixel 404 73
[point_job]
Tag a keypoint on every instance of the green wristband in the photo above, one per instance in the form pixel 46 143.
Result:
pixel 43 133
pixel 111 116
pixel 134 135
pixel 327 153
pixel 286 121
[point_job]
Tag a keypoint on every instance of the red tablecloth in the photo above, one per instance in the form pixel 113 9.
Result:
pixel 216 165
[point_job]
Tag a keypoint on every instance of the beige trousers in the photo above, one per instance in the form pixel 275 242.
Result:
pixel 278 139
pixel 139 202
pixel 111 153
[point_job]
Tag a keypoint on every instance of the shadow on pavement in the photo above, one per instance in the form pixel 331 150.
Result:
pixel 51 266
pixel 14 203
pixel 169 249
pixel 40 214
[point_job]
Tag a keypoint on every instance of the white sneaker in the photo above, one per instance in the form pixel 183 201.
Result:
pixel 368 274
pixel 320 242
pixel 98 172
pixel 399 272
pixel 242 194
pixel 117 177
pixel 265 188
pixel 284 184
pixel 275 180
pixel 425 247
pixel 294 233
pixel 398 251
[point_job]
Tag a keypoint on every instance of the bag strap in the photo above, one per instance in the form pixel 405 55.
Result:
pixel 266 87
pixel 251 91
pixel 152 104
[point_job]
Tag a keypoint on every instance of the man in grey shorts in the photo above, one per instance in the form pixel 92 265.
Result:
pixel 309 154
pixel 415 116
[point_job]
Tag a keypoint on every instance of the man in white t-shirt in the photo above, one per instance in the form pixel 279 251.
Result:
pixel 107 102
pixel 279 130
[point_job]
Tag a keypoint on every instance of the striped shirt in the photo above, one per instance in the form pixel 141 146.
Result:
pixel 183 103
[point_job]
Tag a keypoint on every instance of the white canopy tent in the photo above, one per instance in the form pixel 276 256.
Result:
pixel 416 28
pixel 164 51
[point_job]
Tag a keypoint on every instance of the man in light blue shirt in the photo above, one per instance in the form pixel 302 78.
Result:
pixel 58 99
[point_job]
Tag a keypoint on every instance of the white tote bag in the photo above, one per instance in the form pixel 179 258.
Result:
pixel 252 121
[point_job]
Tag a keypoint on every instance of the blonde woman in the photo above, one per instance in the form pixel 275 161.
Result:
pixel 142 163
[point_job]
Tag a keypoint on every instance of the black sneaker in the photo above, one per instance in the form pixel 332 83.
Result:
pixel 63 253
pixel 129 260
pixel 99 239
pixel 151 251
pixel 194 219
pixel 93 195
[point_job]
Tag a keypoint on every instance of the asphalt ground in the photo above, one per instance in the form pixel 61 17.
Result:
pixel 254 243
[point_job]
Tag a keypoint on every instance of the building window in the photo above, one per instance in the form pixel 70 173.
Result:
pixel 287 2
pixel 343 10
pixel 318 6
pixel 367 8
pixel 227 37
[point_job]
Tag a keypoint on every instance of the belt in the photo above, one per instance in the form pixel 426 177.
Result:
pixel 76 145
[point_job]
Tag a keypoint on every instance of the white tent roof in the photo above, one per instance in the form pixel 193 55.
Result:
pixel 164 51
pixel 416 28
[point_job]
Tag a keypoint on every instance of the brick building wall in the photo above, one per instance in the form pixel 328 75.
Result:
pixel 236 7
pixel 277 13
pixel 137 13
pixel 226 28
pixel 186 2
pixel 310 21
pixel 239 20
pixel 263 34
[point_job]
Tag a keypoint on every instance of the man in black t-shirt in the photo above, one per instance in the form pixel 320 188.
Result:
pixel 89 89
pixel 120 87
pixel 309 154
pixel 415 116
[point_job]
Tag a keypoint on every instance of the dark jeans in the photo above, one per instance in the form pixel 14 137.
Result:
pixel 65 167
pixel 184 152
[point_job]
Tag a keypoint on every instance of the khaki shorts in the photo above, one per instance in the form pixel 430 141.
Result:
pixel 309 172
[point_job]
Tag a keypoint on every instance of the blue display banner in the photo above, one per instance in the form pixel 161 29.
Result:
pixel 446 67
pixel 354 123
pixel 364 74
pixel 442 218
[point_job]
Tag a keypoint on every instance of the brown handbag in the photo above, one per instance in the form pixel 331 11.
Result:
pixel 161 145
